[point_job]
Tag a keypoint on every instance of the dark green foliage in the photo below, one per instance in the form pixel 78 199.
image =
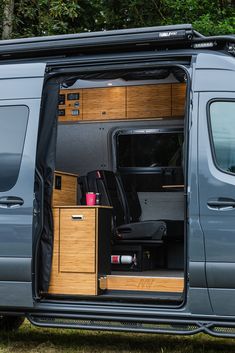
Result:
pixel 46 17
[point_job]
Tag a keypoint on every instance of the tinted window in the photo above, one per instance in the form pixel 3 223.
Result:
pixel 150 150
pixel 223 132
pixel 13 125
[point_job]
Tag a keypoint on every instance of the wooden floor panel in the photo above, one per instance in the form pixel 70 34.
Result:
pixel 138 283
pixel 151 273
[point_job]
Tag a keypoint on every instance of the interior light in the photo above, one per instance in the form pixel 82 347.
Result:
pixel 109 84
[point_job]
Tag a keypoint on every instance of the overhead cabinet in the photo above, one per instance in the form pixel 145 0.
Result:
pixel 104 103
pixel 148 101
pixel 120 103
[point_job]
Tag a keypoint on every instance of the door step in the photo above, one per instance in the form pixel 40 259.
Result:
pixel 130 324
pixel 113 324
pixel 144 284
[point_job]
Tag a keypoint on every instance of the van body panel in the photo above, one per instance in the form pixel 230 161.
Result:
pixel 15 269
pixel 218 224
pixel 198 302
pixel 15 294
pixel 12 89
pixel 195 238
pixel 16 221
pixel 223 301
pixel 215 61
pixel 26 71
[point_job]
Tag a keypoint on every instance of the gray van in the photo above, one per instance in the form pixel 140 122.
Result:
pixel 117 182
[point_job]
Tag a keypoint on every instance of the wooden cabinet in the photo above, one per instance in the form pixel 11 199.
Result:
pixel 148 101
pixel 70 105
pixel 81 254
pixel 64 189
pixel 120 103
pixel 77 240
pixel 104 103
pixel 178 99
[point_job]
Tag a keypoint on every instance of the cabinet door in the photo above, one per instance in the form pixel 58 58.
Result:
pixel 104 103
pixel 178 99
pixel 148 101
pixel 77 241
pixel 64 190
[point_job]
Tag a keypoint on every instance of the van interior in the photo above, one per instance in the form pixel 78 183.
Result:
pixel 118 195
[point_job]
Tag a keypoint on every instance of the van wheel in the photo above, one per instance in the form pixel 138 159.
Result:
pixel 10 323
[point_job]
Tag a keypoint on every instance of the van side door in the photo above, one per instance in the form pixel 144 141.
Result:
pixel 214 82
pixel 20 99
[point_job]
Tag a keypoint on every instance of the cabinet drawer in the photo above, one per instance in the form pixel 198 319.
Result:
pixel 77 251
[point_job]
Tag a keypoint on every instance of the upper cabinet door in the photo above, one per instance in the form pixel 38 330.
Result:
pixel 20 100
pixel 104 103
pixel 214 86
pixel 148 101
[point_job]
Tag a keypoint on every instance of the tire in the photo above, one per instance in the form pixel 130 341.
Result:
pixel 10 323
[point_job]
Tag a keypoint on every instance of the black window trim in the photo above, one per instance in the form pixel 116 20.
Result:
pixel 141 131
pixel 211 141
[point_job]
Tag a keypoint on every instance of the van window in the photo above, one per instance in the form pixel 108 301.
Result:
pixel 150 150
pixel 147 160
pixel 13 125
pixel 222 117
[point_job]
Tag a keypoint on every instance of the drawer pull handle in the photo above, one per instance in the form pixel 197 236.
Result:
pixel 77 217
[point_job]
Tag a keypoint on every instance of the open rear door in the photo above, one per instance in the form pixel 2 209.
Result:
pixel 20 100
pixel 214 87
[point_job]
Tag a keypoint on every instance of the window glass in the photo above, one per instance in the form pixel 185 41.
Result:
pixel 222 116
pixel 150 150
pixel 13 125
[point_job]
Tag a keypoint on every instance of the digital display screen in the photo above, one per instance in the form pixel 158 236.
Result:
pixel 73 96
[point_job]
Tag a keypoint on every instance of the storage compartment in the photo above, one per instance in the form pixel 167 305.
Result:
pixel 143 257
pixel 81 251
pixel 104 103
pixel 64 189
pixel 146 101
pixel 149 101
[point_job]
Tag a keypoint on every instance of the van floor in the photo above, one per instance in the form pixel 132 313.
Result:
pixel 152 281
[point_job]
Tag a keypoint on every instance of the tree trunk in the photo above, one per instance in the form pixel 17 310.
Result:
pixel 7 23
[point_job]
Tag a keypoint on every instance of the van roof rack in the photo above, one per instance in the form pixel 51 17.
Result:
pixel 162 38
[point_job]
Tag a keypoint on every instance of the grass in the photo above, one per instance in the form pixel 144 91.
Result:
pixel 29 339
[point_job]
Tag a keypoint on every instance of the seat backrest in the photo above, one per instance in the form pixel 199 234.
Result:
pixel 132 201
pixel 106 183
pixel 83 184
